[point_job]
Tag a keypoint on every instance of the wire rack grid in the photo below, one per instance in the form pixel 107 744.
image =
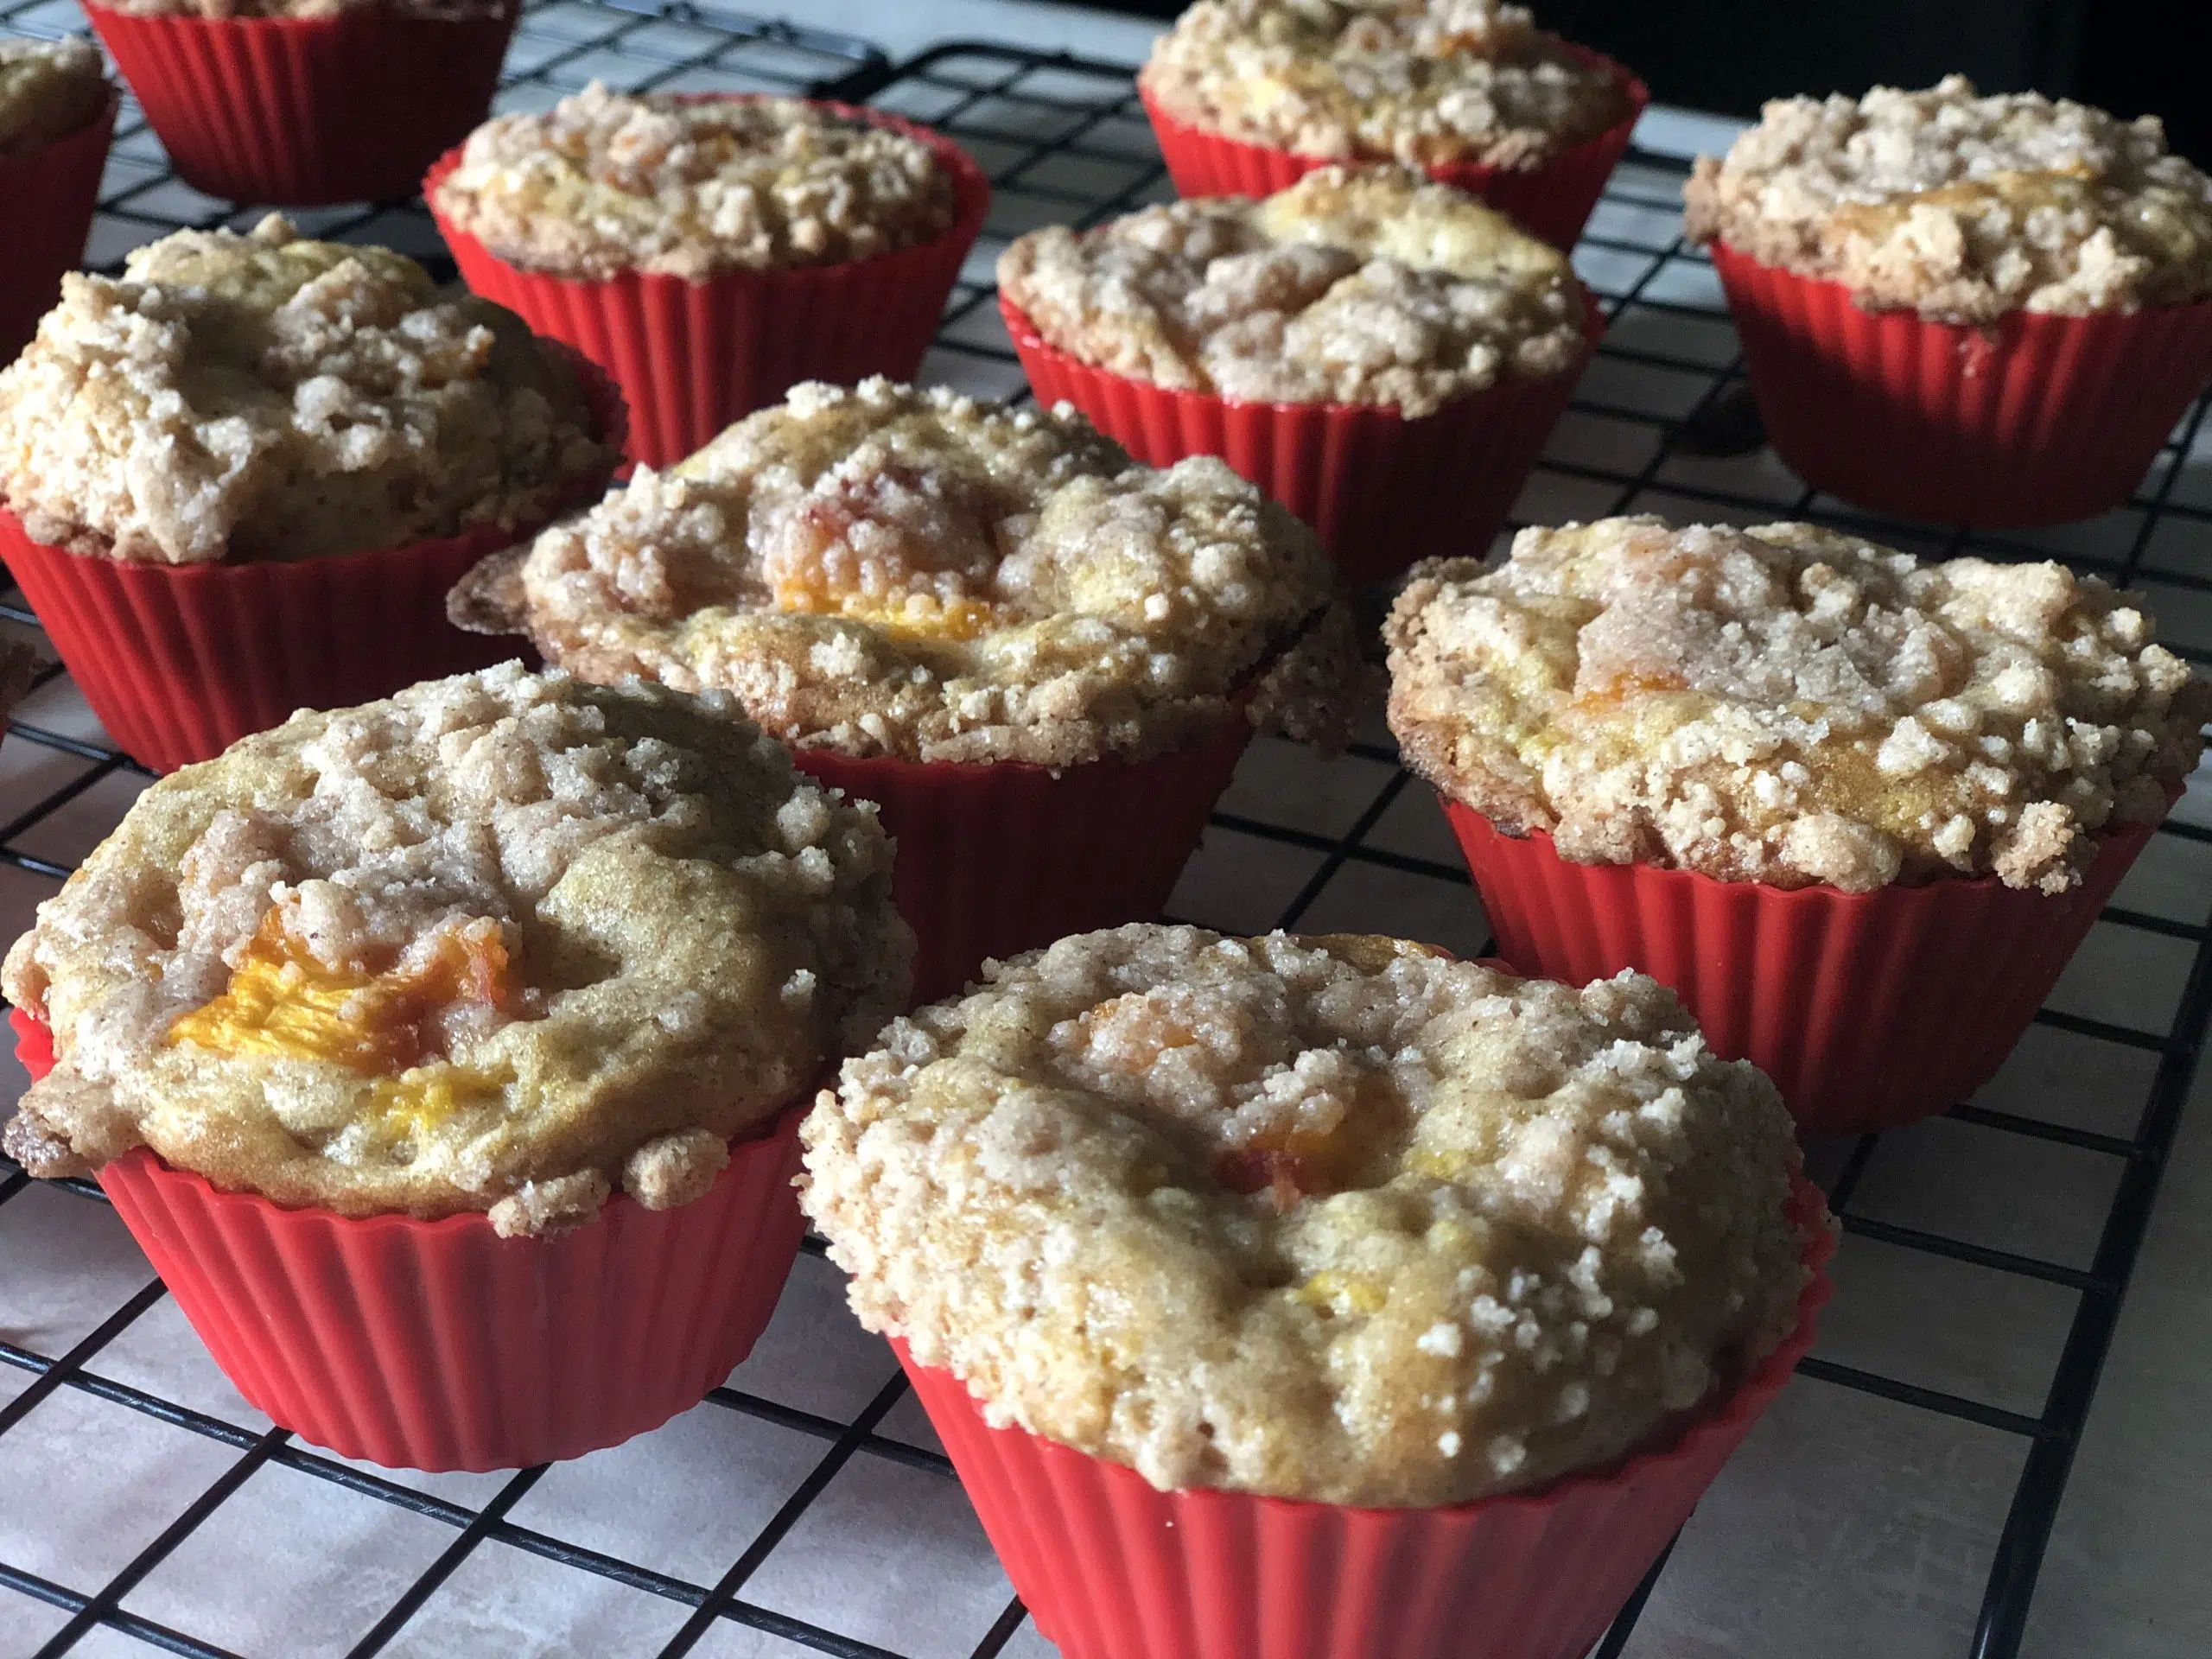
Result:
pixel 835 1526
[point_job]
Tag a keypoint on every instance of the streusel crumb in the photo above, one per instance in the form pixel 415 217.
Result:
pixel 260 396
pixel 1789 704
pixel 1366 285
pixel 1335 1218
pixel 48 89
pixel 883 570
pixel 604 181
pixel 1963 207
pixel 504 943
pixel 1426 82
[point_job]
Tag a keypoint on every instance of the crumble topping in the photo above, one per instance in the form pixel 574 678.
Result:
pixel 884 570
pixel 501 943
pixel 1963 207
pixel 1355 286
pixel 258 396
pixel 1427 82
pixel 1789 704
pixel 48 89
pixel 1335 1218
pixel 604 181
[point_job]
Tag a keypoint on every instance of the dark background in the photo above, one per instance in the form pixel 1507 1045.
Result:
pixel 2127 56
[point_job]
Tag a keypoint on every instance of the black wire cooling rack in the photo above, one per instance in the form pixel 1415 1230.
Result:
pixel 1662 422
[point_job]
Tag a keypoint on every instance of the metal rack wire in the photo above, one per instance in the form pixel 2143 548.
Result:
pixel 1663 422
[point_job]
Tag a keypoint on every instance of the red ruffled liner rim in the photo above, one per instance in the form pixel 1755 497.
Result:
pixel 61 183
pixel 1727 1420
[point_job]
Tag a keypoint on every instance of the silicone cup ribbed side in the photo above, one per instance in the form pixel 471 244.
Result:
pixel 1869 1010
pixel 1380 489
pixel 2037 420
pixel 1554 201
pixel 300 111
pixel 438 1345
pixel 998 859
pixel 50 195
pixel 180 661
pixel 1110 1567
pixel 692 357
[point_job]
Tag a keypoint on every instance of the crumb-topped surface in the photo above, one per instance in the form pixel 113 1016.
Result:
pixel 1789 704
pixel 1335 1218
pixel 1963 207
pixel 1427 82
pixel 48 89
pixel 604 181
pixel 884 570
pixel 262 397
pixel 502 942
pixel 1366 285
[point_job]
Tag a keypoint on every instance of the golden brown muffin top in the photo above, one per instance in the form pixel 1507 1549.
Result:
pixel 608 181
pixel 1789 704
pixel 1963 207
pixel 1427 82
pixel 1366 285
pixel 262 396
pixel 885 570
pixel 48 89
pixel 504 942
pixel 1335 1218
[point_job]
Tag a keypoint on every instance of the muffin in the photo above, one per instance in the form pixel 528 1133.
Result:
pixel 1382 354
pixel 238 478
pixel 508 957
pixel 1245 95
pixel 1042 658
pixel 57 113
pixel 1291 1234
pixel 1959 306
pixel 303 103
pixel 1903 791
pixel 712 250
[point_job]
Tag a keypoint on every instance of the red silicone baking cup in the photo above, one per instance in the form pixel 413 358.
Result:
pixel 1381 490
pixel 50 195
pixel 299 112
pixel 438 1345
pixel 692 357
pixel 2034 419
pixel 180 661
pixel 1869 1010
pixel 1554 200
pixel 996 859
pixel 1110 1567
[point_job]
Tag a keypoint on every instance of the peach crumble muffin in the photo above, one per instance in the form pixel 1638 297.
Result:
pixel 263 396
pixel 48 89
pixel 608 181
pixel 502 942
pixel 1427 82
pixel 1963 207
pixel 882 570
pixel 1788 705
pixel 1367 285
pixel 1335 1218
